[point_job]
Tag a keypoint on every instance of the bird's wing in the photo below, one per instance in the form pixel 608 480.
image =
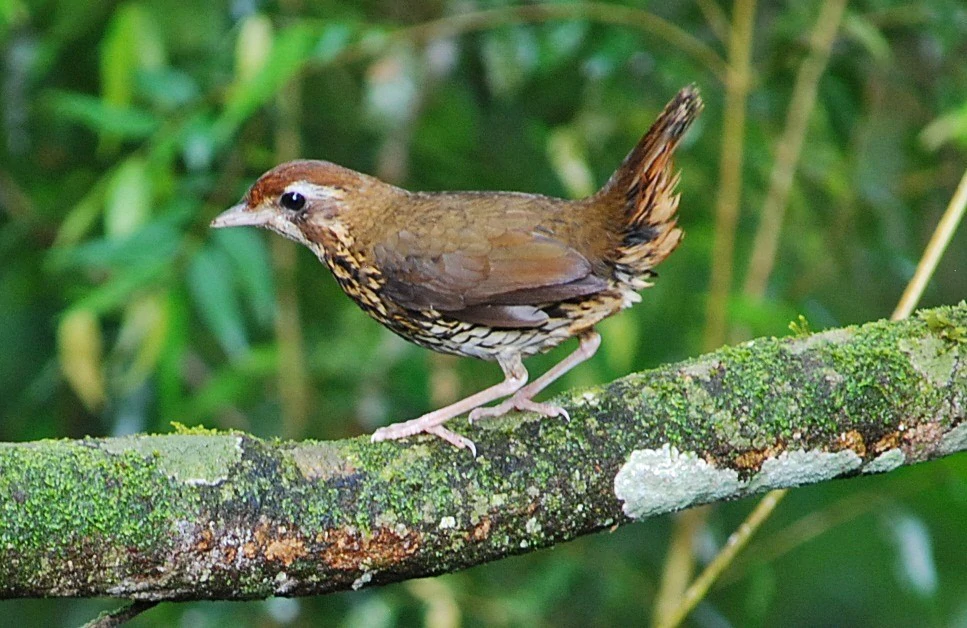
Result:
pixel 498 280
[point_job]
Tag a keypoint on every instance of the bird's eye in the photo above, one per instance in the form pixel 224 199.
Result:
pixel 293 201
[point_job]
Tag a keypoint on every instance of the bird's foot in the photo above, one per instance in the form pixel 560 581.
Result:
pixel 420 426
pixel 518 403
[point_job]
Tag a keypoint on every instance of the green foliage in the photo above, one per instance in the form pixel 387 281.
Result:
pixel 125 127
pixel 800 326
pixel 947 329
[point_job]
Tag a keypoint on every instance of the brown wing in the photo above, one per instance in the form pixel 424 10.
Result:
pixel 497 281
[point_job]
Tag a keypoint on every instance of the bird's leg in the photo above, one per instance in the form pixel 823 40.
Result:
pixel 523 398
pixel 515 376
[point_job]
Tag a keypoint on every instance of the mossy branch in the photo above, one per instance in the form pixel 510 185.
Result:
pixel 228 516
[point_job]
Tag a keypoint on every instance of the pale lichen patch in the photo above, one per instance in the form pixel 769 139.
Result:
pixel 190 458
pixel 362 580
pixel 799 466
pixel 284 584
pixel 701 369
pixel 831 337
pixel 654 481
pixel 532 526
pixel 887 461
pixel 319 461
pixel 931 357
pixel 953 441
pixel 480 508
pixel 728 428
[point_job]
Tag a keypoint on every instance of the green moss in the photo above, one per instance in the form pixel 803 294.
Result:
pixel 942 322
pixel 181 428
pixel 774 391
pixel 83 502
pixel 800 326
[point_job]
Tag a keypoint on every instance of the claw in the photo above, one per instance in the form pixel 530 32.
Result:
pixel 521 404
pixel 458 441
pixel 393 432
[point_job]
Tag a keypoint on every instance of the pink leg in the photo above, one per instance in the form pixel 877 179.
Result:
pixel 515 376
pixel 523 398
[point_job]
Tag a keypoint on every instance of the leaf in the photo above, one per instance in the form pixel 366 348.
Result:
pixel 12 14
pixel 568 156
pixel 168 88
pixel 864 32
pixel 392 88
pixel 510 55
pixel 131 43
pixel 158 241
pixel 119 289
pixel 128 199
pixel 253 268
pixel 142 336
pixel 252 48
pixel 100 116
pixel 559 43
pixel 210 283
pixel 291 49
pixel 80 353
pixel 334 39
pixel 950 126
pixel 83 214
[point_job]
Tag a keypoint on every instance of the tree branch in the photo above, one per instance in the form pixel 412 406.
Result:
pixel 203 515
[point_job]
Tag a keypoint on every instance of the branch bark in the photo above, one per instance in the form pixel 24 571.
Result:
pixel 205 515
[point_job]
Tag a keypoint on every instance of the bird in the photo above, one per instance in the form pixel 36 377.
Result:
pixel 497 276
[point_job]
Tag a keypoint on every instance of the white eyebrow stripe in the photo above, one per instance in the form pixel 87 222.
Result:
pixel 312 190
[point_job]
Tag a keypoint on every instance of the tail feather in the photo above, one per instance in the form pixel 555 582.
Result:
pixel 645 185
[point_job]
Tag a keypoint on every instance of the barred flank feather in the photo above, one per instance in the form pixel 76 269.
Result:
pixel 647 181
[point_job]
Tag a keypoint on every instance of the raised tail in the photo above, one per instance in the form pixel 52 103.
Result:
pixel 644 185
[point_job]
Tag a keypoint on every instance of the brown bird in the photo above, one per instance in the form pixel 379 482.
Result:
pixel 492 275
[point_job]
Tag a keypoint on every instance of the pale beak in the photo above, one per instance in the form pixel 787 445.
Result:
pixel 242 216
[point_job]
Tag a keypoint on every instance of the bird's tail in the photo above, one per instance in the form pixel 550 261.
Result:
pixel 644 186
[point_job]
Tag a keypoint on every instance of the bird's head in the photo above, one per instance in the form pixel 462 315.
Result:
pixel 304 201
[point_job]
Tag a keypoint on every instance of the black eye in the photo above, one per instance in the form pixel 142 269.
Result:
pixel 293 201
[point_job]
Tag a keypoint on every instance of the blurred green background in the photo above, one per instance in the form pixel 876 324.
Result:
pixel 126 126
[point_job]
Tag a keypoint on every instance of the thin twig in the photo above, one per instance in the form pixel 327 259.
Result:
pixel 931 256
pixel 680 555
pixel 717 20
pixel 291 371
pixel 595 12
pixel 679 564
pixel 789 148
pixel 730 173
pixel 120 616
pixel 737 541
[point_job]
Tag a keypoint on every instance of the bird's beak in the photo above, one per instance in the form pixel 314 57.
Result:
pixel 242 215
